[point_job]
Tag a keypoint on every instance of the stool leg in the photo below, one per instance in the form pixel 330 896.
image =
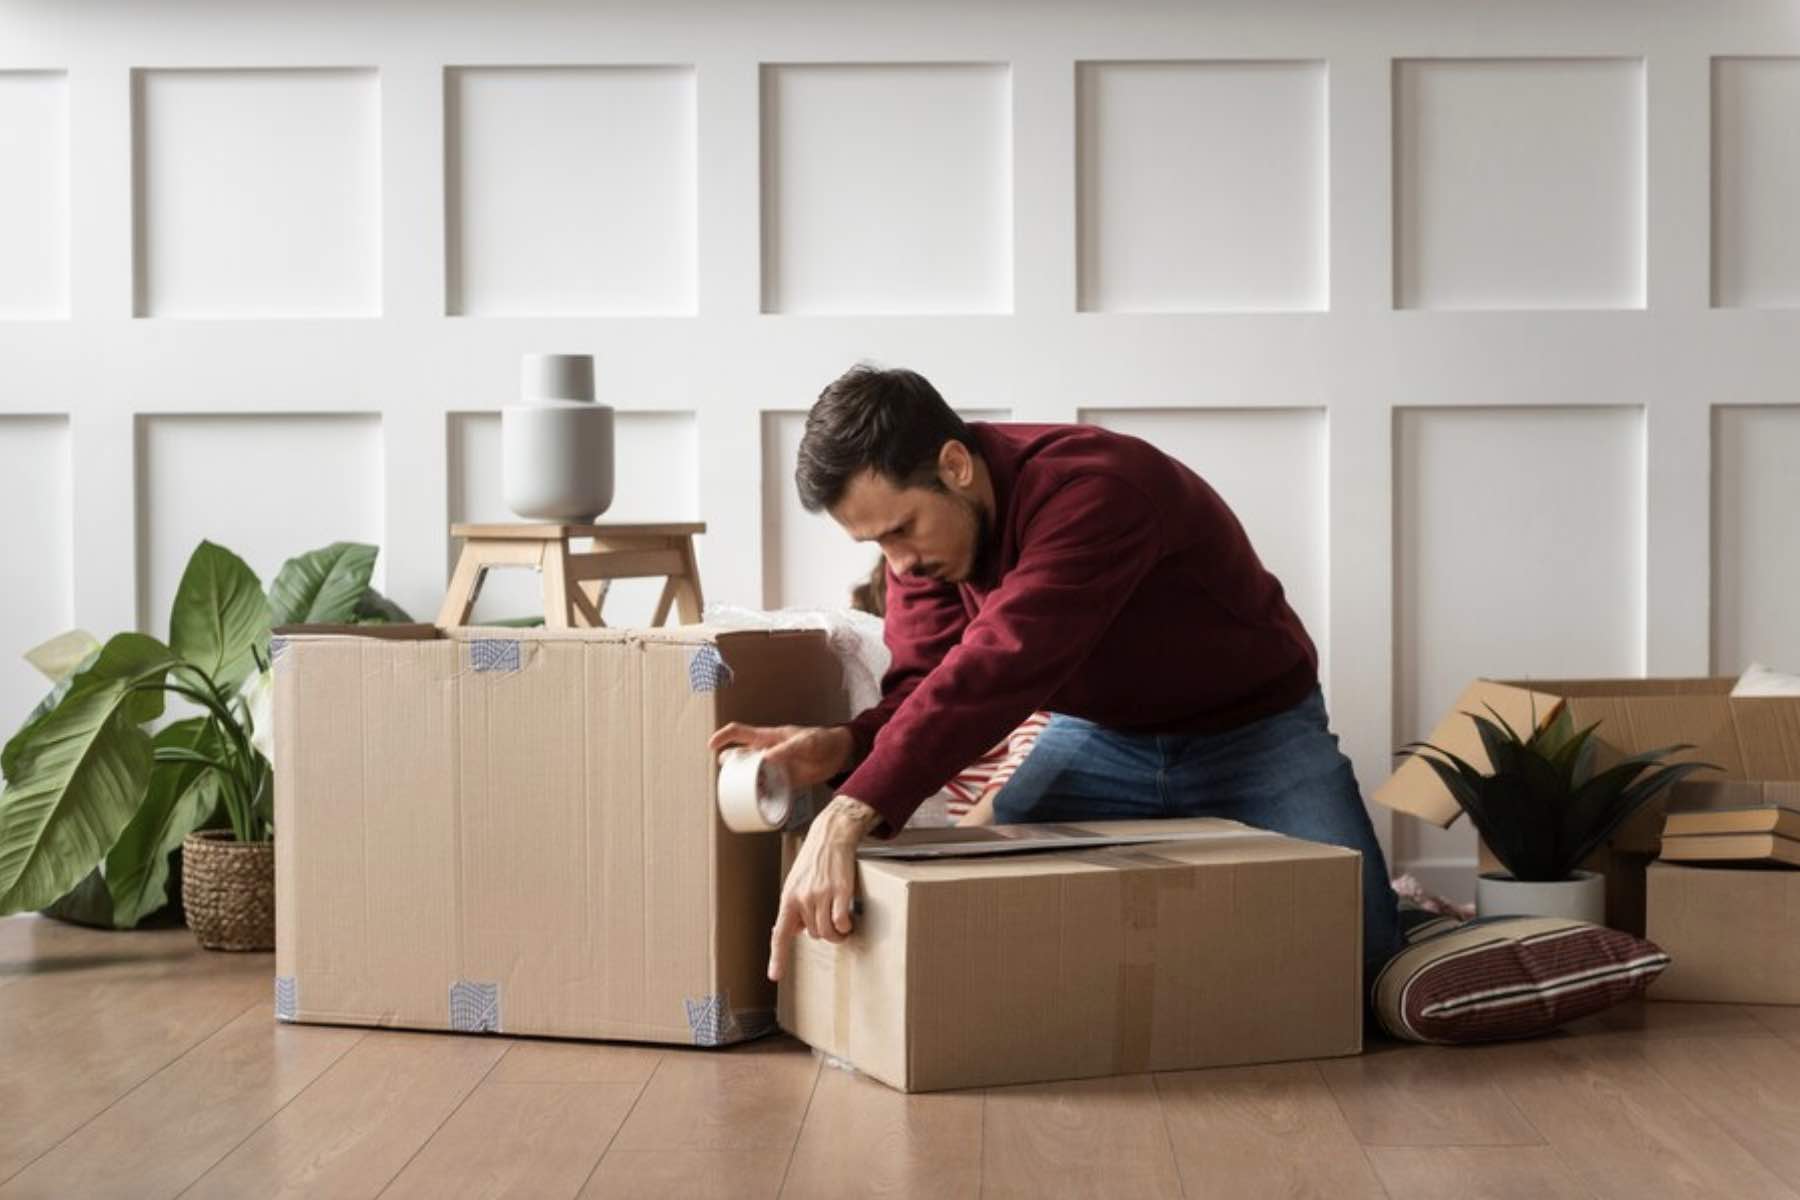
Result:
pixel 687 595
pixel 459 599
pixel 554 569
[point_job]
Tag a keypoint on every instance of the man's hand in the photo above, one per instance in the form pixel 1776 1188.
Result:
pixel 822 882
pixel 807 754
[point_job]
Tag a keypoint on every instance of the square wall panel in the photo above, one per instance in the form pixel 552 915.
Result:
pixel 266 487
pixel 1519 552
pixel 1271 466
pixel 887 188
pixel 1756 552
pixel 258 193
pixel 1519 183
pixel 1202 186
pixel 570 190
pixel 36 587
pixel 808 560
pixel 656 477
pixel 1756 182
pixel 34 201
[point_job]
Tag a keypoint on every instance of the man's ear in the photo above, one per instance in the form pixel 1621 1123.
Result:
pixel 956 466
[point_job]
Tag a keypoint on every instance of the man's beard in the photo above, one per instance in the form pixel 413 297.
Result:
pixel 982 561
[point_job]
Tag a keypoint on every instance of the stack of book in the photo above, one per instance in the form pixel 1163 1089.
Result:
pixel 1733 821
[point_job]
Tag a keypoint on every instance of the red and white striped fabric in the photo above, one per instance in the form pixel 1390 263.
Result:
pixel 990 772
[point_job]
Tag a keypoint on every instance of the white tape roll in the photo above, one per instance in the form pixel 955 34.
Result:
pixel 754 796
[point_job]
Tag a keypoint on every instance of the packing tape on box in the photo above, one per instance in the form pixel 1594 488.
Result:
pixel 754 794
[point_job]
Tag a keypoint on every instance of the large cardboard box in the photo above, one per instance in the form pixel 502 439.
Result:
pixel 517 831
pixel 1747 737
pixel 1229 946
pixel 1733 933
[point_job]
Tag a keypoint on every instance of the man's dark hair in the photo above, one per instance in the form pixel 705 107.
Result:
pixel 889 421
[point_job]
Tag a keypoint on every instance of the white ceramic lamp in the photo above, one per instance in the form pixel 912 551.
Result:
pixel 556 443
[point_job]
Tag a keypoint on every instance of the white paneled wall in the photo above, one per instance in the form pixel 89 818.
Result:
pixel 1519 183
pixel 1756 538
pixel 258 193
pixel 35 576
pixel 240 480
pixel 1484 317
pixel 887 188
pixel 34 202
pixel 1756 182
pixel 1161 228
pixel 593 214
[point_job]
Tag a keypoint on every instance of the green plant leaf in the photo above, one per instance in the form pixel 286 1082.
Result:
pixel 79 778
pixel 87 903
pixel 220 616
pixel 376 609
pixel 323 587
pixel 125 657
pixel 64 654
pixel 181 795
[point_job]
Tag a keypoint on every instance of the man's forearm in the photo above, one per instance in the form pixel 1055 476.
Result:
pixel 848 819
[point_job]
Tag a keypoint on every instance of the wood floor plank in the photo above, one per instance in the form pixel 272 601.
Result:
pixel 1664 1019
pixel 537 1140
pixel 1783 1020
pixel 352 1131
pixel 1089 1137
pixel 689 1174
pixel 1749 1086
pixel 192 1112
pixel 1263 1131
pixel 1425 1096
pixel 722 1100
pixel 531 1061
pixel 90 1014
pixel 1623 1130
pixel 863 1138
pixel 1476 1172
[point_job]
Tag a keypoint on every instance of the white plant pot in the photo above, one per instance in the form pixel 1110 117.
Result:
pixel 557 444
pixel 1582 897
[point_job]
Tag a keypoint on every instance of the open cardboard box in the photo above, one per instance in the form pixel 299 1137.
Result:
pixel 1746 737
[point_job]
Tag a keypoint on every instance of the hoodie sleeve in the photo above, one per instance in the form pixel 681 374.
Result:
pixel 1083 552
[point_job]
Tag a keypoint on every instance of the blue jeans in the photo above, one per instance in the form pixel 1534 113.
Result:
pixel 1284 773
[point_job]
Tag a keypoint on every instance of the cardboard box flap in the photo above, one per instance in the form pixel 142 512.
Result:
pixel 1414 788
pixel 1768 734
pixel 989 840
pixel 1073 849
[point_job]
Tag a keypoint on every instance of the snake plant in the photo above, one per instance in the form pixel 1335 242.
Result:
pixel 1541 807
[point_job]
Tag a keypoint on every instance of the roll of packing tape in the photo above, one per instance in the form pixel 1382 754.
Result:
pixel 754 795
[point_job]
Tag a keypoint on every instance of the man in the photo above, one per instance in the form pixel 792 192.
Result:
pixel 1066 568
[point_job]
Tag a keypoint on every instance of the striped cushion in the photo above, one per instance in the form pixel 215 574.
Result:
pixel 1510 977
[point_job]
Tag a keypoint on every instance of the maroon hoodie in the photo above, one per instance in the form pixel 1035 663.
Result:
pixel 1119 588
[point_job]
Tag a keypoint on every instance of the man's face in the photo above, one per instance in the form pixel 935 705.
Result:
pixel 921 531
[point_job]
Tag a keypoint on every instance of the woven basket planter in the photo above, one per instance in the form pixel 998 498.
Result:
pixel 228 889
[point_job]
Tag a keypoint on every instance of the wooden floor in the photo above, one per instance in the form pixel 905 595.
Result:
pixel 136 1065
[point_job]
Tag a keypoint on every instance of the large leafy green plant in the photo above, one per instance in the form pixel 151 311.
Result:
pixel 1542 808
pixel 95 799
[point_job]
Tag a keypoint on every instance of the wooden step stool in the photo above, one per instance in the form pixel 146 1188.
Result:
pixel 575 583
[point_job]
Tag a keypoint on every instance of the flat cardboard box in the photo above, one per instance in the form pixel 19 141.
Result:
pixel 516 831
pixel 1733 933
pixel 1747 737
pixel 1232 946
